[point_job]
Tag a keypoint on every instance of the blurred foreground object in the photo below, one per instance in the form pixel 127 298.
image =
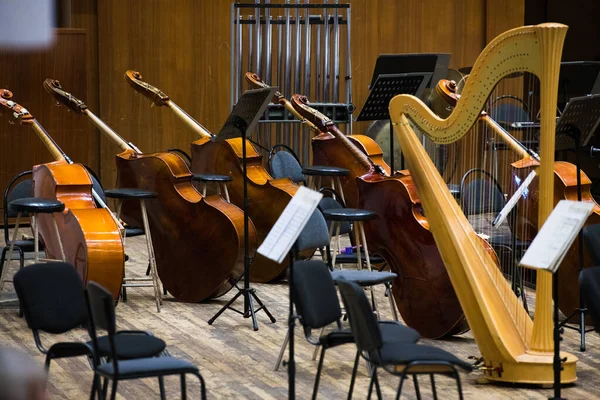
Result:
pixel 26 24
pixel 21 377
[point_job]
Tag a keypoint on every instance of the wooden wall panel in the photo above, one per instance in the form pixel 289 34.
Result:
pixel 23 74
pixel 183 48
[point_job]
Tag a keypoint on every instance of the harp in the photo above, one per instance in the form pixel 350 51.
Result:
pixel 514 348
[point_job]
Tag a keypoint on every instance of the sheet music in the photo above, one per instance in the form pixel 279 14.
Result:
pixel 513 200
pixel 290 223
pixel 557 234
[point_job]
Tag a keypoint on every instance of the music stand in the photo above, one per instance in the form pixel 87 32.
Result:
pixel 578 123
pixel 243 118
pixel 400 74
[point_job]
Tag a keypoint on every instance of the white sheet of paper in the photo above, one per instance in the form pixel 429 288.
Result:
pixel 288 227
pixel 557 234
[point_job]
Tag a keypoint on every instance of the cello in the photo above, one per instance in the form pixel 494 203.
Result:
pixel 565 188
pixel 400 234
pixel 198 241
pixel 268 196
pixel 325 147
pixel 90 235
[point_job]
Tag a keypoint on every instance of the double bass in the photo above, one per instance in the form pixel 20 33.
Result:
pixel 268 196
pixel 326 150
pixel 198 241
pixel 400 234
pixel 513 347
pixel 90 235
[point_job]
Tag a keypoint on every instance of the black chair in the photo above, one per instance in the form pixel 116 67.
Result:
pixel 21 186
pixel 317 306
pixel 284 163
pixel 51 296
pixel 380 352
pixel 315 236
pixel 102 316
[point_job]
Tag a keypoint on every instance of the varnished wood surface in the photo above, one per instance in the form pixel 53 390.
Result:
pixel 23 74
pixel 236 362
pixel 184 47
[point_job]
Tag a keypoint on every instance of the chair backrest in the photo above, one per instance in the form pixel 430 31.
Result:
pixel 508 109
pixel 101 312
pixel 51 296
pixel 591 238
pixel 285 164
pixel 315 296
pixel 362 320
pixel 17 188
pixel 481 195
pixel 330 203
pixel 315 234
pixel 589 285
pixel 96 185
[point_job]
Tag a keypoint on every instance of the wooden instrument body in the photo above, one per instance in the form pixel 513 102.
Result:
pixel 329 150
pixel 400 234
pixel 268 196
pixel 90 236
pixel 198 241
pixel 565 188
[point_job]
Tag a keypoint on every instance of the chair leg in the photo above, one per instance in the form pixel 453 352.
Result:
pixel 400 384
pixel 47 362
pixel 319 370
pixel 104 388
pixel 202 387
pixel 161 387
pixel 388 290
pixel 417 390
pixel 10 251
pixel 113 394
pixel 317 347
pixel 377 387
pixel 353 378
pixel 458 385
pixel 95 392
pixel 183 388
pixel 370 387
pixel 433 387
pixel 282 351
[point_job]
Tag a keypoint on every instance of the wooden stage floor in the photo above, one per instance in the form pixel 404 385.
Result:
pixel 237 362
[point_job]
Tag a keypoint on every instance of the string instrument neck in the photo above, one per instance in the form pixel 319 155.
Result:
pixel 361 157
pixel 51 145
pixel 189 121
pixel 509 139
pixel 111 134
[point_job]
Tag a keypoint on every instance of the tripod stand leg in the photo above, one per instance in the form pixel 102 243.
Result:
pixel 582 329
pixel 263 307
pixel 225 307
pixel 251 311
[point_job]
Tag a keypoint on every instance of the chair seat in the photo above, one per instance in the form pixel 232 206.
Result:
pixel 36 205
pixel 130 346
pixel 129 193
pixel 211 178
pixel 146 367
pixel 392 331
pixel 324 170
pixel 363 277
pixel 336 338
pixel 353 259
pixel 27 245
pixel 131 231
pixel 394 354
pixel 348 214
